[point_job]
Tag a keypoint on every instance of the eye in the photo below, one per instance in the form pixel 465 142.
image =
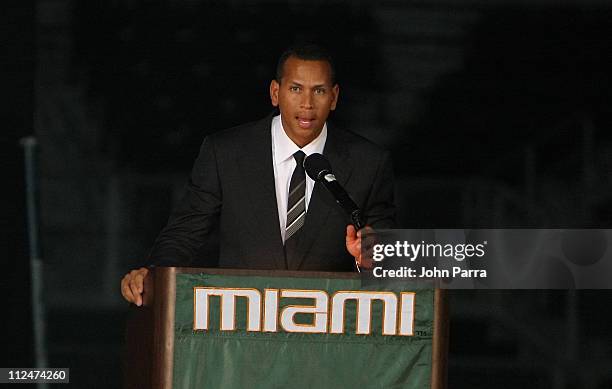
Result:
pixel 294 88
pixel 320 91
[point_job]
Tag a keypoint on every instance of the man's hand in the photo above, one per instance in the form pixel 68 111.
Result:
pixel 353 246
pixel 132 285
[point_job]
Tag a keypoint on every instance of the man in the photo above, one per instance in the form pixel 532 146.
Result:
pixel 249 181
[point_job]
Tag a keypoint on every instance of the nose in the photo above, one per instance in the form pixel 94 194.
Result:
pixel 306 101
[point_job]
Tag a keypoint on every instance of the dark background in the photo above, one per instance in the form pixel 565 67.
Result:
pixel 497 114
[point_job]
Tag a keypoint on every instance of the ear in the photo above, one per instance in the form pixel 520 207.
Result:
pixel 336 92
pixel 274 87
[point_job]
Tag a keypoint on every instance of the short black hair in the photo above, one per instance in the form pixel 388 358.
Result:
pixel 307 52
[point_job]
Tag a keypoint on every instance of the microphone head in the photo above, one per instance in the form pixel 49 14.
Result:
pixel 317 166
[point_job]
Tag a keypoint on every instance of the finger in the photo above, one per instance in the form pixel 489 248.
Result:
pixel 351 237
pixel 136 288
pixel 368 242
pixel 370 236
pixel 125 289
pixel 365 230
pixel 122 288
pixel 143 274
pixel 139 281
pixel 367 255
pixel 365 261
pixel 365 264
pixel 350 231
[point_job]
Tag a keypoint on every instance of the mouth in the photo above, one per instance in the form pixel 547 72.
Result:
pixel 305 122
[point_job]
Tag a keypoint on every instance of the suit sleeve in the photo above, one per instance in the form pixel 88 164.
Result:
pixel 380 206
pixel 195 216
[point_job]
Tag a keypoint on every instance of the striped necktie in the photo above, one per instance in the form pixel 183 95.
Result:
pixel 296 207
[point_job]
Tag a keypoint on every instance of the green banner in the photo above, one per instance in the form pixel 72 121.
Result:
pixel 285 332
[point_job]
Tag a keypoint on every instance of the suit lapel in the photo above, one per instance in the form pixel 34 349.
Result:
pixel 321 201
pixel 258 172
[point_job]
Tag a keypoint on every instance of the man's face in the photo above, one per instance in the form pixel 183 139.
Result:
pixel 305 96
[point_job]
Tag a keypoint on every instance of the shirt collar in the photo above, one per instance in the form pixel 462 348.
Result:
pixel 283 146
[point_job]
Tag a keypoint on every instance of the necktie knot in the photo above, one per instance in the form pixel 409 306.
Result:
pixel 299 158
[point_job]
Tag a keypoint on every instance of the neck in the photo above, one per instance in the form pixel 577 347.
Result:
pixel 302 142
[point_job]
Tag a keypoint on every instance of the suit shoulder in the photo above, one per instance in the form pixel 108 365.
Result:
pixel 359 144
pixel 240 134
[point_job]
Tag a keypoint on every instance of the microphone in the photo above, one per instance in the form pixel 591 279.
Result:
pixel 319 169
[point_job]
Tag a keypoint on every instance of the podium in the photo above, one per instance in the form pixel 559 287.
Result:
pixel 201 328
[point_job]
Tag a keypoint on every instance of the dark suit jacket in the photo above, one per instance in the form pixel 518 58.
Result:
pixel 232 187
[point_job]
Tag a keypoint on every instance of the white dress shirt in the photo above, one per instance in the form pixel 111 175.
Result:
pixel 283 149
